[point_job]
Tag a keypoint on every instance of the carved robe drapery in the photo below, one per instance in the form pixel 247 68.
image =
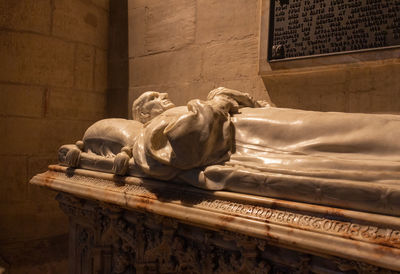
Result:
pixel 338 158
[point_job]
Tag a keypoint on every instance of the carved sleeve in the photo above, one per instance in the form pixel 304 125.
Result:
pixel 183 138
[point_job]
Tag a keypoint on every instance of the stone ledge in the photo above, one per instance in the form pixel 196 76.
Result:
pixel 359 236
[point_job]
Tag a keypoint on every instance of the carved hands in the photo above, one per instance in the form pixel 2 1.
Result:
pixel 232 100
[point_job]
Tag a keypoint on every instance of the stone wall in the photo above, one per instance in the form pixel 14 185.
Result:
pixel 188 47
pixel 53 80
pixel 118 66
pixel 364 82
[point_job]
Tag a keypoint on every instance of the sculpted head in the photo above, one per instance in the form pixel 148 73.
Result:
pixel 149 105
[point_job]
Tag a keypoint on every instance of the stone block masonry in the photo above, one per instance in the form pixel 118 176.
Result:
pixel 189 47
pixel 202 44
pixel 53 83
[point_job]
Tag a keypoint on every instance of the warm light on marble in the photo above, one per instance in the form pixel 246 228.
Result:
pixel 232 142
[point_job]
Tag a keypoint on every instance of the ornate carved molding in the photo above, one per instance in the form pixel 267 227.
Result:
pixel 135 242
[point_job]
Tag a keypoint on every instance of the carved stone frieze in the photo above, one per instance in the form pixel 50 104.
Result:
pixel 109 239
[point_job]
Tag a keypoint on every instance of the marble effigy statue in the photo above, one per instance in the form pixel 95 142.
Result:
pixel 232 142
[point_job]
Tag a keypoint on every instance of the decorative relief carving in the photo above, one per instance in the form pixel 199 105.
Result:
pixel 84 248
pixel 120 241
pixel 368 233
pixel 124 246
pixel 361 268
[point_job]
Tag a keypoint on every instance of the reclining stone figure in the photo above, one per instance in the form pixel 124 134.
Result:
pixel 234 143
pixel 114 139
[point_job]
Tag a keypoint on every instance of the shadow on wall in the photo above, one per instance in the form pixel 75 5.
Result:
pixel 369 88
pixel 118 63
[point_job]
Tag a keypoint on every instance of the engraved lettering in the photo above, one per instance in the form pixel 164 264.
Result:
pixel 230 206
pixel 297 219
pixel 388 233
pixel 395 237
pixel 250 210
pixel 235 206
pixel 268 213
pixel 239 208
pixel 280 216
pixel 246 209
pixel 370 233
pixel 222 205
pixel 290 217
pixel 208 203
pixel 341 227
pixel 354 229
pixel 327 224
pixel 215 203
pixel 258 211
pixel 327 26
pixel 305 220
pixel 316 223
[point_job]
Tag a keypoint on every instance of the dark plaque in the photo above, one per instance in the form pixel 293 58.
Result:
pixel 304 28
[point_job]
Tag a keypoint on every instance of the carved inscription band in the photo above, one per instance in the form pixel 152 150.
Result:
pixel 368 233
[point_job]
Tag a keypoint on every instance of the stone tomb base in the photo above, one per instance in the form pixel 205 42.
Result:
pixel 132 225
